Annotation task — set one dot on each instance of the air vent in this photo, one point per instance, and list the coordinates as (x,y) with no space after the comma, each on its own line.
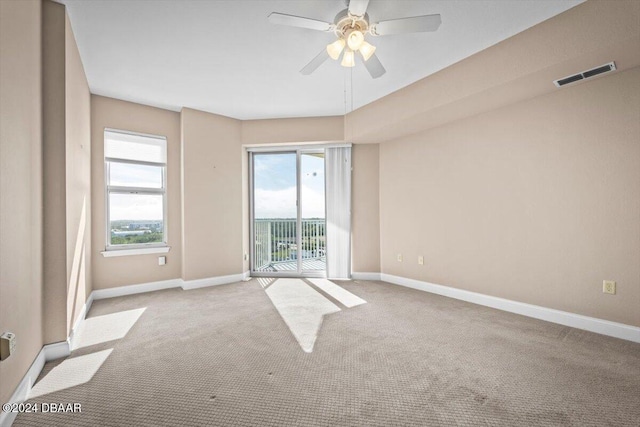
(611,66)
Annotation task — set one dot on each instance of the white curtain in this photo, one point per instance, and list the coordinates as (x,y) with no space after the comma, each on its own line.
(338,201)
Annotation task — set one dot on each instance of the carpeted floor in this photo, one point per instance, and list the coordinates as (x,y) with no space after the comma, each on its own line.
(223,356)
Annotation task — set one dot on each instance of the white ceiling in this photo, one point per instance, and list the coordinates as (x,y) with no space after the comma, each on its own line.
(224,57)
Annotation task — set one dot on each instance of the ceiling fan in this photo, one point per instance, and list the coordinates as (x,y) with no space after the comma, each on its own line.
(350,27)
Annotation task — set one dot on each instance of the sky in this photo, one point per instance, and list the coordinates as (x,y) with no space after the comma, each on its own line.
(275,186)
(135,206)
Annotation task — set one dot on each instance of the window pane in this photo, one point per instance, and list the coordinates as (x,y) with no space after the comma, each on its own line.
(274,180)
(275,210)
(131,175)
(312,181)
(313,211)
(135,147)
(136,218)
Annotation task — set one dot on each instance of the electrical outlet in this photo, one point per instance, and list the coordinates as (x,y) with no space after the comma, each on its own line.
(421,260)
(7,345)
(246,256)
(399,257)
(162,260)
(609,287)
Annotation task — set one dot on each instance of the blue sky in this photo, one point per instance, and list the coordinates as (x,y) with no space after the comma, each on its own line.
(275,186)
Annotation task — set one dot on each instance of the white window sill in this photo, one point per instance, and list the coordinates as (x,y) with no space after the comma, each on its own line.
(136,251)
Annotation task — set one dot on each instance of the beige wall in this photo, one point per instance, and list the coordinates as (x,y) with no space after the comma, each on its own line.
(536,202)
(54,172)
(296,130)
(20,186)
(78,179)
(45,132)
(212,195)
(128,270)
(365,210)
(66,169)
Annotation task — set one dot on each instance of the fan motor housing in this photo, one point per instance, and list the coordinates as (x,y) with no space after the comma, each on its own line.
(346,22)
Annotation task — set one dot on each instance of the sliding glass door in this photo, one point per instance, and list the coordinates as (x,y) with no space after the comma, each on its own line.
(288,213)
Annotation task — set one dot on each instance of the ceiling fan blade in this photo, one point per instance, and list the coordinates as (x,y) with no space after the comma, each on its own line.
(358,7)
(415,24)
(374,66)
(298,21)
(315,63)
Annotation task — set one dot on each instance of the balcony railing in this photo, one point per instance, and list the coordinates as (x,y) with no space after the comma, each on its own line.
(276,247)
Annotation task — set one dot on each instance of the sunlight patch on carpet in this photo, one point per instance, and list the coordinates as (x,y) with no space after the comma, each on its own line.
(265,281)
(109,327)
(345,297)
(302,309)
(70,373)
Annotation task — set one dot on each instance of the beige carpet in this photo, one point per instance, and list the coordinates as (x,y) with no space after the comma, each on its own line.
(224,356)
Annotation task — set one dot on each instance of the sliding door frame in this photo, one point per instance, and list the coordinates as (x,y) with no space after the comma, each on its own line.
(298,151)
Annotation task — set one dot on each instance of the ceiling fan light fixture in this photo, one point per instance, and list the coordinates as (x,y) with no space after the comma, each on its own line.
(350,27)
(348,59)
(335,49)
(355,39)
(366,50)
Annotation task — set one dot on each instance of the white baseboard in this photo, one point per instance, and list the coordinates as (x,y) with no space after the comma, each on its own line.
(592,324)
(47,353)
(83,314)
(164,284)
(56,350)
(212,281)
(365,276)
(135,289)
(24,387)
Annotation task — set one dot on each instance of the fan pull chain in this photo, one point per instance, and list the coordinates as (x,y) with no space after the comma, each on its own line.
(348,91)
(345,92)
(351,88)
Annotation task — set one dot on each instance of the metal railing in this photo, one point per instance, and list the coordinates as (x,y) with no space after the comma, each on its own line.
(276,242)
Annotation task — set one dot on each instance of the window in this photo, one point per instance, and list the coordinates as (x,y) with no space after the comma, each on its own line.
(135,177)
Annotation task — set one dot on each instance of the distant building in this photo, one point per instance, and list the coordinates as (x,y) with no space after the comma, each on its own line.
(154,226)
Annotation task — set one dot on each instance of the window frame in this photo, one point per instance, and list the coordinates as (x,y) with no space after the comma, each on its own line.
(114,189)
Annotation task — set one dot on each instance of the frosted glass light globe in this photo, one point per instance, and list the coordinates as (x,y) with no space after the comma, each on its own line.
(355,39)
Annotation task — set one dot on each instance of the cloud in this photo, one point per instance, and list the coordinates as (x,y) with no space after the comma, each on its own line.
(282,203)
(135,207)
